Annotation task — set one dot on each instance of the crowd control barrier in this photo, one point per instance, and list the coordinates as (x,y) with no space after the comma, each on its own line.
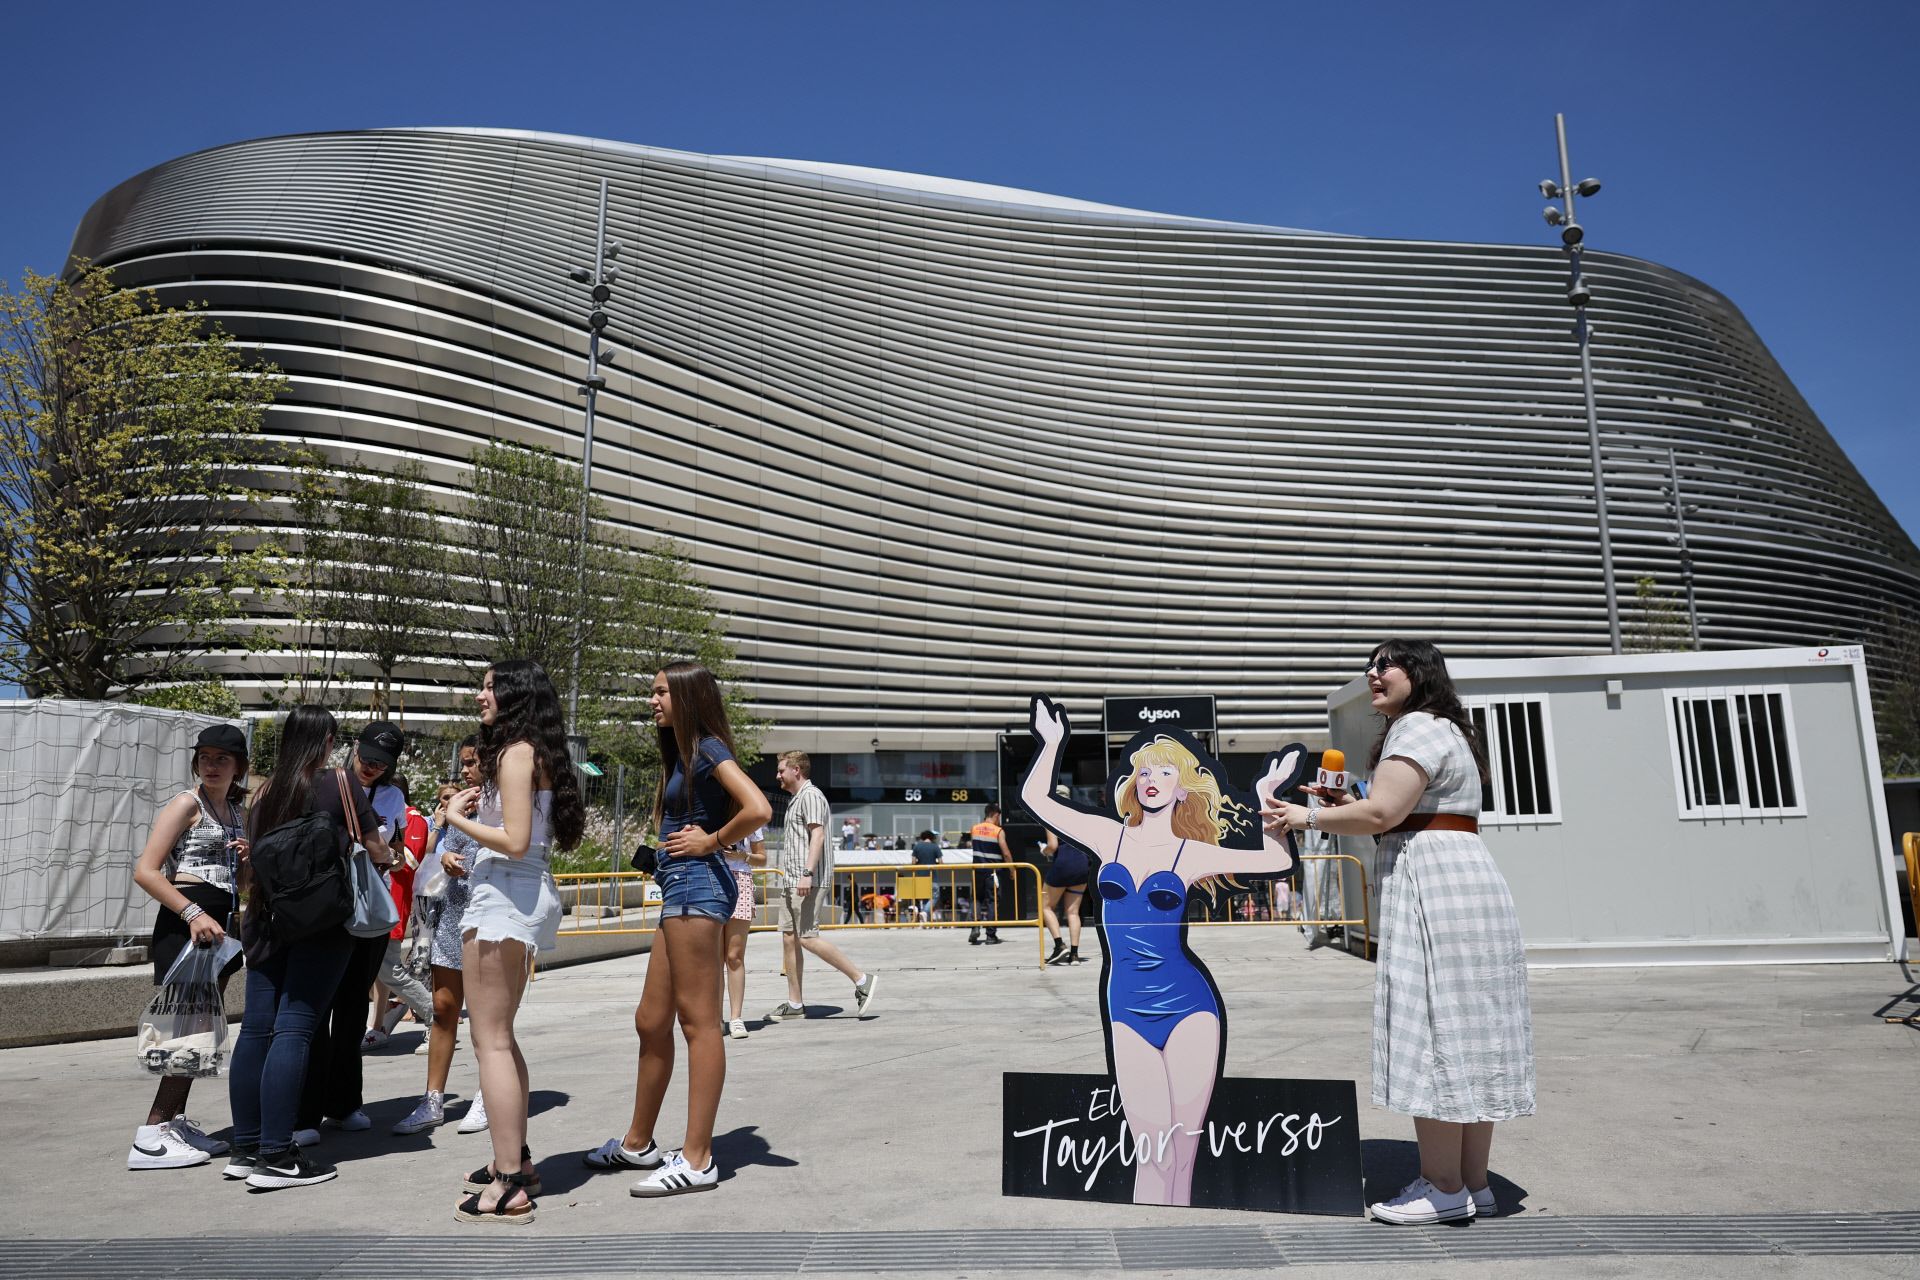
(967,895)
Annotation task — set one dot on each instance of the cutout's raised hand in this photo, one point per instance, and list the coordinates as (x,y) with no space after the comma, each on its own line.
(1284,768)
(1049,721)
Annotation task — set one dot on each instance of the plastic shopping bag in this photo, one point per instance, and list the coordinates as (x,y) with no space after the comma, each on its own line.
(184,1029)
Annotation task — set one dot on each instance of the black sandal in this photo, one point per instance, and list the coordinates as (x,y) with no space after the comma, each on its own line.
(482,1178)
(504,1212)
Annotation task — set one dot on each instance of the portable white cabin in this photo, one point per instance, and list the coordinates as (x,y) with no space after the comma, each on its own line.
(1677,808)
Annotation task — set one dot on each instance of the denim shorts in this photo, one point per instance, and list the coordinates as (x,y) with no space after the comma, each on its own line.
(702,887)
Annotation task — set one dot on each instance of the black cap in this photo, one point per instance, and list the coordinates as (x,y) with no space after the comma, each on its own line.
(381,744)
(223,737)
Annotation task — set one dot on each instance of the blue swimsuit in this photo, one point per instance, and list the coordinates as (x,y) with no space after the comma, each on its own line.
(1152,983)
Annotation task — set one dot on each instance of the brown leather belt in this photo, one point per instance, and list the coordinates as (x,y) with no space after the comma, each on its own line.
(1436,822)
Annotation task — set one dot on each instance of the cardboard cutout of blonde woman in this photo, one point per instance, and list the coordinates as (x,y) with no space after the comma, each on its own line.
(1164,1127)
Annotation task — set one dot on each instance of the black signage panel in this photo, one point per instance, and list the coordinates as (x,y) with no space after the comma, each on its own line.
(1276,1146)
(1131,715)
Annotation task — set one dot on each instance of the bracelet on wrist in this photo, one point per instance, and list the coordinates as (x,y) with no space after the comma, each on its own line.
(193,911)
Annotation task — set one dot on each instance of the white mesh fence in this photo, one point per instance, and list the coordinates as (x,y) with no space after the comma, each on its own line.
(80,784)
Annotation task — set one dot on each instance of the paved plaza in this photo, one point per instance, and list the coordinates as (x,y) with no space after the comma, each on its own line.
(1699,1122)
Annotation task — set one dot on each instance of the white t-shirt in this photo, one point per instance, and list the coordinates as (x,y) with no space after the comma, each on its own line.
(737,854)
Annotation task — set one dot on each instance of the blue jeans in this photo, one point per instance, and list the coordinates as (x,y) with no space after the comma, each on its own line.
(286,998)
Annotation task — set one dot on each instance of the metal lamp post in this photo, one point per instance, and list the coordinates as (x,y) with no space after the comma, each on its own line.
(1573,237)
(599,278)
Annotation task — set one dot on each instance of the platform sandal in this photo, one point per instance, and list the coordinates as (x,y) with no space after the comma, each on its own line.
(504,1212)
(482,1178)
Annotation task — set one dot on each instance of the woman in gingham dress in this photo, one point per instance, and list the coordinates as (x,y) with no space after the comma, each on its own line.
(1452,1030)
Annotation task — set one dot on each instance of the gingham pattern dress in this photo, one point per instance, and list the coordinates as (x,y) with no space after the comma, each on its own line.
(1452,1028)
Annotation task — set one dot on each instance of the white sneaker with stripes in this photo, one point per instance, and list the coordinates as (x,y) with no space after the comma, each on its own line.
(677,1177)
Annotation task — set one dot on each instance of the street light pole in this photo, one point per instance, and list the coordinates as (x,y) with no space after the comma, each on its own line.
(1574,238)
(596,321)
(1686,556)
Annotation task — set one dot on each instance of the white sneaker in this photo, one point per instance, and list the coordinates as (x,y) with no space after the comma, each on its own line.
(475,1121)
(431,1110)
(1421,1202)
(306,1137)
(785,1011)
(677,1177)
(353,1122)
(157,1146)
(193,1135)
(737,1029)
(1484,1205)
(863,993)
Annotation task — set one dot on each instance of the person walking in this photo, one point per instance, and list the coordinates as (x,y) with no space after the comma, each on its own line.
(191,866)
(290,981)
(1068,868)
(989,841)
(806,869)
(741,860)
(335,1079)
(705,803)
(455,852)
(1452,1024)
(527,803)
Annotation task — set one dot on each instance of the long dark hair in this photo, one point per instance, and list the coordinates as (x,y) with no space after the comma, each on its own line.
(304,740)
(526,709)
(1433,693)
(699,712)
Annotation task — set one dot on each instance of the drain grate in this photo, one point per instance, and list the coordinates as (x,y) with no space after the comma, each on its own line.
(1223,1247)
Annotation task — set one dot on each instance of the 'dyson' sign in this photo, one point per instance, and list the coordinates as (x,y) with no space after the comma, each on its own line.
(1282,1146)
(1130,715)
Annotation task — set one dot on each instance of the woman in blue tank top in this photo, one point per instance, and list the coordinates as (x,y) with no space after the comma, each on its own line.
(1166,1035)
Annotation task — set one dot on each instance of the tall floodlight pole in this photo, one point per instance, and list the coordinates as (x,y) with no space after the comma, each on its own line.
(1680,509)
(600,278)
(1573,237)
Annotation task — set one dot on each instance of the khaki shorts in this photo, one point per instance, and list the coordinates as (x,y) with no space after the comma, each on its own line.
(798,915)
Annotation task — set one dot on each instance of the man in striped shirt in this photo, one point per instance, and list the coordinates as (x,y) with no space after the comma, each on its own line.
(807,876)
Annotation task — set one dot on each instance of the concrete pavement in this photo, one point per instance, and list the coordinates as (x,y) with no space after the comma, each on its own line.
(1753,1092)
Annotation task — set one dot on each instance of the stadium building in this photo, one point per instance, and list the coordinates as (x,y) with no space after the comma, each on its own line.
(938,445)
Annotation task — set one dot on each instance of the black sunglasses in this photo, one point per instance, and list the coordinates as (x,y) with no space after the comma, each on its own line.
(1379,667)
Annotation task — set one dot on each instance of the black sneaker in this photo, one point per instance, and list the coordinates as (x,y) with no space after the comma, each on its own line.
(1059,952)
(292,1168)
(1060,956)
(994,940)
(241,1161)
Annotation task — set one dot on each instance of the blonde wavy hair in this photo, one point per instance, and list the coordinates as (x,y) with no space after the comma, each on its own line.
(1195,818)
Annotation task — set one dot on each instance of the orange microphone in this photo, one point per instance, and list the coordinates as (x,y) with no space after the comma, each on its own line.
(1333,769)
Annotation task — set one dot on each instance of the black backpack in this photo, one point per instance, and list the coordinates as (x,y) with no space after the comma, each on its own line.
(299,865)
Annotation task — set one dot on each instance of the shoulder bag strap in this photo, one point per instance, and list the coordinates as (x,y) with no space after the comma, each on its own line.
(347,807)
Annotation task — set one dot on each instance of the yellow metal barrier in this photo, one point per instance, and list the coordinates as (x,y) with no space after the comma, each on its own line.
(953,895)
(929,896)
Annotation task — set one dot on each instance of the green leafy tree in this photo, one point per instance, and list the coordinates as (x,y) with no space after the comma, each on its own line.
(127,431)
(209,696)
(640,609)
(1658,624)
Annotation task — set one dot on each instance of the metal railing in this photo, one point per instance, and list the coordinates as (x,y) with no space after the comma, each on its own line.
(953,895)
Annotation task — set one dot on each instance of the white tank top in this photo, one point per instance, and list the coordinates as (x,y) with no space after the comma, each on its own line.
(539,842)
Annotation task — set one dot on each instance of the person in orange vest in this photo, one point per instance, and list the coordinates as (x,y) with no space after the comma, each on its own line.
(990,846)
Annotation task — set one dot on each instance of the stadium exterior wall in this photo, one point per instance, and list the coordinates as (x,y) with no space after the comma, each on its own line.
(938,446)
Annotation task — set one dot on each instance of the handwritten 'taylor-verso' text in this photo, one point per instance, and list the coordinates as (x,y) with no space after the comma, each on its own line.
(1089,1154)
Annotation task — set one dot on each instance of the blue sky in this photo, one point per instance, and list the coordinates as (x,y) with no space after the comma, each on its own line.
(1766,148)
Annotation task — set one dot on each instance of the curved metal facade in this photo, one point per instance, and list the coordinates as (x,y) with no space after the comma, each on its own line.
(937,446)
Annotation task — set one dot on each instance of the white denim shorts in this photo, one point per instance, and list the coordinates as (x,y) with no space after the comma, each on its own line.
(513,900)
